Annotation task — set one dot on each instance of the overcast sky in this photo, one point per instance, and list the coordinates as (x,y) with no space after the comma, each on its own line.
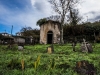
(21,13)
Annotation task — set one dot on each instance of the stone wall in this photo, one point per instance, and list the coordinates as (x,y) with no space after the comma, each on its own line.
(49,26)
(19,40)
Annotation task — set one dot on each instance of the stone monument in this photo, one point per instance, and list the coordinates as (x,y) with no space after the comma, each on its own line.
(50,32)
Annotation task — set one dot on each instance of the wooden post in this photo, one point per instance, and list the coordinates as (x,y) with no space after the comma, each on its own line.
(50,49)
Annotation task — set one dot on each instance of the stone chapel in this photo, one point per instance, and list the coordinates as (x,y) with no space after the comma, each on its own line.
(50,32)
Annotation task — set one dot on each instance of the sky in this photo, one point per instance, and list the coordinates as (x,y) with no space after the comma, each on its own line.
(24,13)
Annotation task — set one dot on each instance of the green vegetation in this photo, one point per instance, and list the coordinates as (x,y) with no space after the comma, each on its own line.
(34,60)
(89,31)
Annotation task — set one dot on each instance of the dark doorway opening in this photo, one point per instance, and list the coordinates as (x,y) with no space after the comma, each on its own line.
(49,37)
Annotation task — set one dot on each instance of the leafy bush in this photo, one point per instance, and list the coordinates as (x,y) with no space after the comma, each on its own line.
(14,64)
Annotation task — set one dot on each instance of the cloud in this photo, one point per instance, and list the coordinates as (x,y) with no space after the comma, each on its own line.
(96,18)
(27,15)
(42,6)
(26,12)
(90,9)
(17,17)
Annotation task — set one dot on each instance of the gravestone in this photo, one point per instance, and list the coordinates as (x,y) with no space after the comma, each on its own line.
(50,49)
(20,47)
(86,47)
(89,47)
(83,48)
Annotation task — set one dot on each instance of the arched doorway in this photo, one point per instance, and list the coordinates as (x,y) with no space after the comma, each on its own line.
(49,37)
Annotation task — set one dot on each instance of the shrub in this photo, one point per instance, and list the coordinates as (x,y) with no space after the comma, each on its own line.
(14,64)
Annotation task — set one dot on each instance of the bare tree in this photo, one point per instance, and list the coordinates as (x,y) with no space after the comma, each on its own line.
(54,18)
(74,19)
(62,8)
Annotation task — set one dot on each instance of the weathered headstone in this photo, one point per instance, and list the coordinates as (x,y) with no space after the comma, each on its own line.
(89,47)
(20,47)
(86,47)
(50,49)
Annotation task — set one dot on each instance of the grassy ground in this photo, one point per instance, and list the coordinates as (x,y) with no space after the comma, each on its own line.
(36,61)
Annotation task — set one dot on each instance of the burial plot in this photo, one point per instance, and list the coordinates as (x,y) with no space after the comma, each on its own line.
(86,47)
(85,68)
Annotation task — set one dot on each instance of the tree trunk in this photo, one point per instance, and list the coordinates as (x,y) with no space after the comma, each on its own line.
(61,35)
(73,46)
(74,43)
(61,29)
(94,39)
(99,34)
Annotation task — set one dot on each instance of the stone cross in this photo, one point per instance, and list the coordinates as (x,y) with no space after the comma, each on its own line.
(86,47)
(84,41)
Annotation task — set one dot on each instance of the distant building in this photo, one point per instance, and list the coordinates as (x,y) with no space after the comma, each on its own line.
(5,34)
(6,38)
(18,34)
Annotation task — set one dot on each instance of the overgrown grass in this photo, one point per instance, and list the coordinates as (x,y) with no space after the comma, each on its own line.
(61,62)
